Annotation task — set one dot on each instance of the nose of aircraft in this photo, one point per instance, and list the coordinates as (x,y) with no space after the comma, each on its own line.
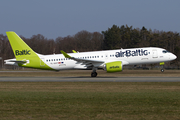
(173,57)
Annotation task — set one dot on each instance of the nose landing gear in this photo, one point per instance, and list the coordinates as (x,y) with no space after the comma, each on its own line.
(162,64)
(162,70)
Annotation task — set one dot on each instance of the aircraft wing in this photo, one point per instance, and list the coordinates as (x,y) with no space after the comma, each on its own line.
(86,62)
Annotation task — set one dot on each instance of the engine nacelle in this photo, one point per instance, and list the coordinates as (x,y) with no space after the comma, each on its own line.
(113,66)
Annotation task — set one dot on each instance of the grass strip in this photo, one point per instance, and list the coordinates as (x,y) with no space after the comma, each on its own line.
(53,100)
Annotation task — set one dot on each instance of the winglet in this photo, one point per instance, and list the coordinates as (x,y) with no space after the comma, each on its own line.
(74,51)
(65,54)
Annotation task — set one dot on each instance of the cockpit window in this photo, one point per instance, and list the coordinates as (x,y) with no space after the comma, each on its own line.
(165,51)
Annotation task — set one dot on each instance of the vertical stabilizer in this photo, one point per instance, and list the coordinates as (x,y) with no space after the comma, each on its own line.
(20,48)
(25,56)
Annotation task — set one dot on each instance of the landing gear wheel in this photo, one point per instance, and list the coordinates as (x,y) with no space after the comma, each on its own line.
(162,70)
(93,74)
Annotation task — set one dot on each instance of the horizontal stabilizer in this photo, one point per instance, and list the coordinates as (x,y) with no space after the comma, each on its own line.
(16,61)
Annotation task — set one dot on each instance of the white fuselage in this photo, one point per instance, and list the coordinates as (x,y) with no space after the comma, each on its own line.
(132,56)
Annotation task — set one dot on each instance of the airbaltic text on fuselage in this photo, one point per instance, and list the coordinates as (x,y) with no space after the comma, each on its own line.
(128,53)
(22,52)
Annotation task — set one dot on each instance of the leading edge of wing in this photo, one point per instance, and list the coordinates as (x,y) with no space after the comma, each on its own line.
(80,59)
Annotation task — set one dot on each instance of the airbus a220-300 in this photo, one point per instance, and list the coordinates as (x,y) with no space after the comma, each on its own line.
(108,60)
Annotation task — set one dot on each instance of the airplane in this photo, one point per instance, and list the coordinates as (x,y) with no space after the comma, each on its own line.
(108,60)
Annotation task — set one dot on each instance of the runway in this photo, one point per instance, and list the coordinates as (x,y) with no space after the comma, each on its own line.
(89,79)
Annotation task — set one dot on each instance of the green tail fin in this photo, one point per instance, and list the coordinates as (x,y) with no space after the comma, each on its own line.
(24,54)
(20,48)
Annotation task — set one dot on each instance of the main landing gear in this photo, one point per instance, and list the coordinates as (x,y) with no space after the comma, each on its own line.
(94,73)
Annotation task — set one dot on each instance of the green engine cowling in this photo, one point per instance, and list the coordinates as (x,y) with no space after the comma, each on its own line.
(114,66)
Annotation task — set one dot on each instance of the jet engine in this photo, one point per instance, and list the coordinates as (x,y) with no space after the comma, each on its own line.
(113,66)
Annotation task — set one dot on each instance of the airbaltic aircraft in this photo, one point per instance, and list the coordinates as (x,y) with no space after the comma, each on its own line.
(109,60)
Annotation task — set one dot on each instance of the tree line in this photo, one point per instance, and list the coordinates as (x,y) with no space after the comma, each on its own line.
(113,38)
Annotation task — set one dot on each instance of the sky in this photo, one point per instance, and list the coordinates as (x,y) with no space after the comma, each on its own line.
(60,18)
